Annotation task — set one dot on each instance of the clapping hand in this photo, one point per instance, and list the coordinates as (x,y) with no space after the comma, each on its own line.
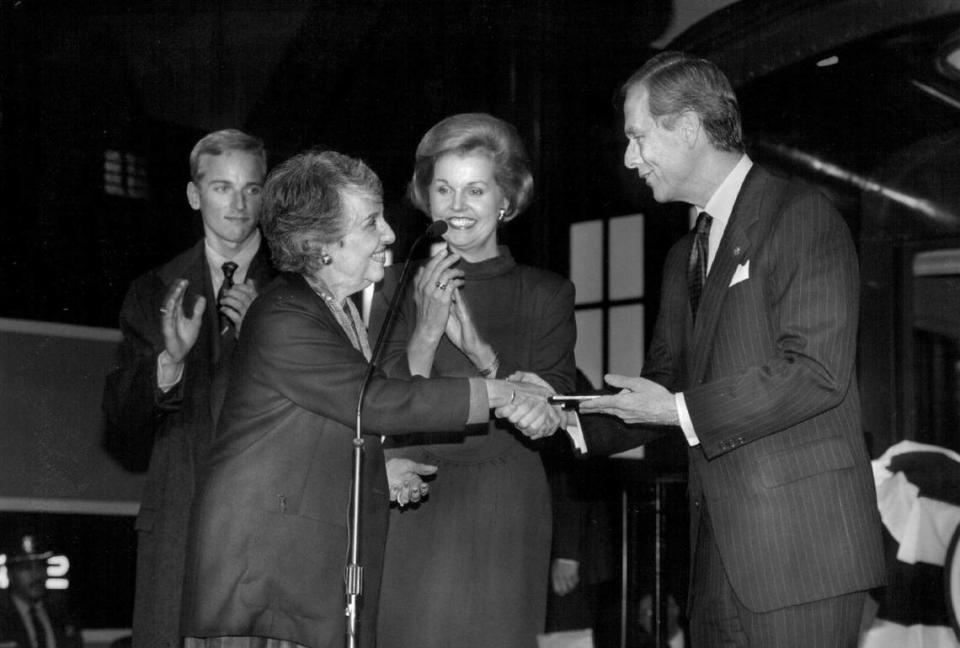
(434,287)
(180,331)
(463,333)
(405,479)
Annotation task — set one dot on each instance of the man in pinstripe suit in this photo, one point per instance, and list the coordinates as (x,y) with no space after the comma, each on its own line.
(755,364)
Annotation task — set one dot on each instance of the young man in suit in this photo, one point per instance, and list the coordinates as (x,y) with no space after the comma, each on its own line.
(29,616)
(752,360)
(179,322)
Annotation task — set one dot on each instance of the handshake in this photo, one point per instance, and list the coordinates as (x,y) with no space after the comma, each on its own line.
(522,400)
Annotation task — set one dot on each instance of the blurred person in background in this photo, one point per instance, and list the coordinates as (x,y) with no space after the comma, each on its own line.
(30,616)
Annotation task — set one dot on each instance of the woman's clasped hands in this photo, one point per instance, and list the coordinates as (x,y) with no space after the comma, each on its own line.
(441,309)
(435,289)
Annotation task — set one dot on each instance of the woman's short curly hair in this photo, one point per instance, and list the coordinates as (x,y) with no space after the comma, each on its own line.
(303,205)
(468,133)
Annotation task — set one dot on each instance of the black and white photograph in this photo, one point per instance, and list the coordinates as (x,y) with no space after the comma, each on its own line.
(480,324)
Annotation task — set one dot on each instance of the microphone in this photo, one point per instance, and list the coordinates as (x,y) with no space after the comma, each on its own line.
(437,228)
(353,578)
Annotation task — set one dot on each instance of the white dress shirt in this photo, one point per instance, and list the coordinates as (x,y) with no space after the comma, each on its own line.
(720,206)
(215,262)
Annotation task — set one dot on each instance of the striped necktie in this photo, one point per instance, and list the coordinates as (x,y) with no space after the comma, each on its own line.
(226,324)
(697,265)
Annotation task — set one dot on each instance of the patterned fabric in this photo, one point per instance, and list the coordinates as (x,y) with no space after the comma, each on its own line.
(226,324)
(767,373)
(238,642)
(348,318)
(697,267)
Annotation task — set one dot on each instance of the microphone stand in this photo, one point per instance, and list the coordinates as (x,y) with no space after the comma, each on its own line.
(353,577)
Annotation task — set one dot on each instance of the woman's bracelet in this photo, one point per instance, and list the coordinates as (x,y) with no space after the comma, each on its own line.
(490,369)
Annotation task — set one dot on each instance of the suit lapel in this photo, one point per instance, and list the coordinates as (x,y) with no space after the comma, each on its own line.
(211,314)
(261,270)
(734,250)
(192,266)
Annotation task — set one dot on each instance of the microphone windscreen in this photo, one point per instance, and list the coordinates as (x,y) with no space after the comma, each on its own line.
(437,228)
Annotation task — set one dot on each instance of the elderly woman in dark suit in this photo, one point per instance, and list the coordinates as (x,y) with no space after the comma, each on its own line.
(269,536)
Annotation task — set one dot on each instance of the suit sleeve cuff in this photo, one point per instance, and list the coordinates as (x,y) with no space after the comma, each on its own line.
(168,372)
(479,404)
(685,423)
(575,432)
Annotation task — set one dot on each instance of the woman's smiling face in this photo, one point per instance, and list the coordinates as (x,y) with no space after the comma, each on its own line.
(358,258)
(465,194)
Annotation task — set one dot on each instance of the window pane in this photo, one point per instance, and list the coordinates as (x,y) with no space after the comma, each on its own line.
(589,349)
(626,340)
(586,260)
(626,257)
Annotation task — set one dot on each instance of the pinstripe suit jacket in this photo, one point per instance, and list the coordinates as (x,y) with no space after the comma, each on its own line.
(768,377)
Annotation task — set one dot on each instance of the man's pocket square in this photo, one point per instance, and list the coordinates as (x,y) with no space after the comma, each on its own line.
(742,273)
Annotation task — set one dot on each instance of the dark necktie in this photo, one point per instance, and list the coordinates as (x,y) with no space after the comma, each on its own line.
(39,630)
(226,324)
(697,266)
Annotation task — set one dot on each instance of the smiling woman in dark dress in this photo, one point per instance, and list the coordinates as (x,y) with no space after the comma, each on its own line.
(468,567)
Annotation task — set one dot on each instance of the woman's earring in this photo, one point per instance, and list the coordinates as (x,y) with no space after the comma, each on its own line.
(503,214)
(326,259)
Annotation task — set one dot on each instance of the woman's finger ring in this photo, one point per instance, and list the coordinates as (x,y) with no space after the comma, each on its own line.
(442,285)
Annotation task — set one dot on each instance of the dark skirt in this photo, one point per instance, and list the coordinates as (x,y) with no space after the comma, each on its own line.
(469,566)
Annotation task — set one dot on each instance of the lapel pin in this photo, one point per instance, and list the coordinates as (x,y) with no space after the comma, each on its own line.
(736,251)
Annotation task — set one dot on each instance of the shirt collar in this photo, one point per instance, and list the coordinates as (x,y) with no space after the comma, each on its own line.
(243,258)
(720,205)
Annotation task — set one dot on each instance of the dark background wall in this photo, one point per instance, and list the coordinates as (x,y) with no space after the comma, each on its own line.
(367,77)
